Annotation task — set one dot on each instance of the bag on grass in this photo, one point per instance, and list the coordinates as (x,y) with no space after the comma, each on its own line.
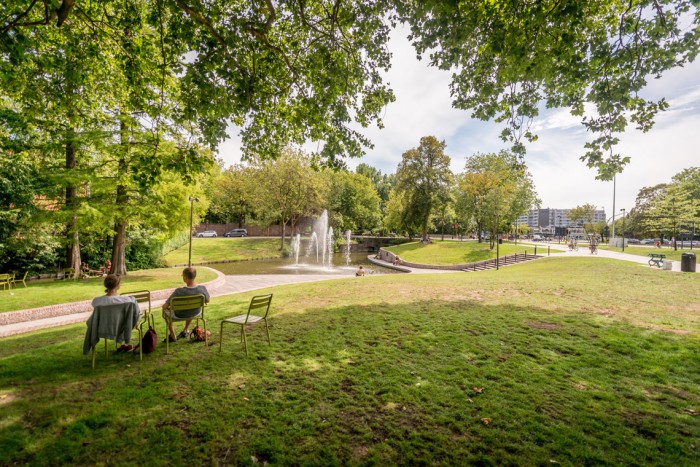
(149,341)
(197,334)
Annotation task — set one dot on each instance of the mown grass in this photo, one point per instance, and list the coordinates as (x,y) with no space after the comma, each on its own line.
(671,254)
(448,252)
(42,293)
(222,249)
(569,360)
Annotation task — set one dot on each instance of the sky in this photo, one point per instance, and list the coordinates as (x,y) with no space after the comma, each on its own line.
(423,107)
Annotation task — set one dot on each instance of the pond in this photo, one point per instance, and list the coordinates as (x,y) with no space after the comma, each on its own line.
(305,266)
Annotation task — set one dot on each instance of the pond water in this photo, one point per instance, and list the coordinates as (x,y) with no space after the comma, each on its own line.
(305,266)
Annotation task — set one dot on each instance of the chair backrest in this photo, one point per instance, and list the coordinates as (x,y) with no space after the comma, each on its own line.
(187,303)
(259,302)
(141,296)
(4,277)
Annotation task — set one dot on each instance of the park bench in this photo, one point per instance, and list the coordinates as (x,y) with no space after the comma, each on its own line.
(656,259)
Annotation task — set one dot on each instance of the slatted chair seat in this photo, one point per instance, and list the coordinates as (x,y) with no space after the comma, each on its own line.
(143,296)
(259,302)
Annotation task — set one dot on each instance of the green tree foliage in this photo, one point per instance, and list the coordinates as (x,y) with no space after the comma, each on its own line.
(383,183)
(287,189)
(583,214)
(493,191)
(508,57)
(423,181)
(232,196)
(353,202)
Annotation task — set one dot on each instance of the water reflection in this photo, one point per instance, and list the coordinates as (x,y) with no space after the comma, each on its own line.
(287,266)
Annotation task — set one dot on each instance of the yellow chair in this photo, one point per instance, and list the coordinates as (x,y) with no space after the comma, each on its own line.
(6,280)
(184,304)
(14,281)
(143,296)
(68,272)
(256,303)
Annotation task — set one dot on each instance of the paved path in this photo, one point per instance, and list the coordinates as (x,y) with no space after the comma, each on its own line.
(226,285)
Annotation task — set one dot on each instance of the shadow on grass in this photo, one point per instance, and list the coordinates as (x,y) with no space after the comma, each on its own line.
(423,382)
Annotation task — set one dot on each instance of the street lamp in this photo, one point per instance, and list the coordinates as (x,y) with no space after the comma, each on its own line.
(192,200)
(623,229)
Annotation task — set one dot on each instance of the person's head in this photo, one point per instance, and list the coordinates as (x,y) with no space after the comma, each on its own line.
(189,274)
(111,283)
(360,267)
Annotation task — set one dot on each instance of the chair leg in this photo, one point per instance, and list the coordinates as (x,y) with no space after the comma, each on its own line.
(268,332)
(167,336)
(245,343)
(93,356)
(115,343)
(221,335)
(206,339)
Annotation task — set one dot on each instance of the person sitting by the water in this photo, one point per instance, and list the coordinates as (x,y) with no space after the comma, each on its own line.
(360,272)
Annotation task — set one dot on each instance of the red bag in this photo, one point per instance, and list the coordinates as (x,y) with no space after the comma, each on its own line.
(149,341)
(197,334)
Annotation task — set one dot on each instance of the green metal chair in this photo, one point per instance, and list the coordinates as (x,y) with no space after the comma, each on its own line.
(256,303)
(68,272)
(14,281)
(143,296)
(5,280)
(183,304)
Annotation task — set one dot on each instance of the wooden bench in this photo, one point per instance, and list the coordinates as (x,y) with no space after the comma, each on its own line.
(656,259)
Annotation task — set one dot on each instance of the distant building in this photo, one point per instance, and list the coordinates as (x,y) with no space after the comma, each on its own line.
(548,219)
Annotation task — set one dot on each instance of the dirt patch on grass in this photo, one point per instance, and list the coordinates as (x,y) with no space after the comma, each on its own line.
(546,326)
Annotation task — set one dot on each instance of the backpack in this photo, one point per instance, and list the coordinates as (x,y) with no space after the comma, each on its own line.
(149,341)
(197,334)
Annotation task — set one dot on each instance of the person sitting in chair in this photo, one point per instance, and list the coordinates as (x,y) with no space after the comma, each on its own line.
(112,297)
(191,288)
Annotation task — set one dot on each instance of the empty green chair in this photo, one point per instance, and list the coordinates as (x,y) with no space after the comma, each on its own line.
(259,302)
(14,280)
(5,281)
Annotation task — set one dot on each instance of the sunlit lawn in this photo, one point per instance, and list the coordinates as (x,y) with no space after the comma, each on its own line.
(451,252)
(225,249)
(42,293)
(569,361)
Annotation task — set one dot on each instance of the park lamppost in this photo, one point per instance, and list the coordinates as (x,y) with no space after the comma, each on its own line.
(623,229)
(189,257)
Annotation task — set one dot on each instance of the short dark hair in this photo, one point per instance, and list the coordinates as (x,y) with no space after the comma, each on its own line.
(190,273)
(111,282)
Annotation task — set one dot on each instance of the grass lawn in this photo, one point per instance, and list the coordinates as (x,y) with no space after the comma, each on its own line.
(570,361)
(671,254)
(220,249)
(450,252)
(42,293)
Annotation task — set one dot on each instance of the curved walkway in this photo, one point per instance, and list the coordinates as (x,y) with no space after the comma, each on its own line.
(71,313)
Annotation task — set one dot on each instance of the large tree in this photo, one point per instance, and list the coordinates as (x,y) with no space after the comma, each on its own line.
(583,214)
(493,191)
(353,202)
(423,179)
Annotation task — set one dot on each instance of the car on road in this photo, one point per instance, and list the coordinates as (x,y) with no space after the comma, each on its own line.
(236,233)
(648,241)
(206,233)
(633,241)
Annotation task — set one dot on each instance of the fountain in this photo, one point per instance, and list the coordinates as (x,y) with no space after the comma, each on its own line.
(348,236)
(296,243)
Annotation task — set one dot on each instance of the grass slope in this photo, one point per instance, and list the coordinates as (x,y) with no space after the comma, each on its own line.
(44,293)
(447,252)
(573,361)
(221,249)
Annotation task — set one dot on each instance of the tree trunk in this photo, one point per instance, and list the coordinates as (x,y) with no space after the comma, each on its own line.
(119,243)
(72,235)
